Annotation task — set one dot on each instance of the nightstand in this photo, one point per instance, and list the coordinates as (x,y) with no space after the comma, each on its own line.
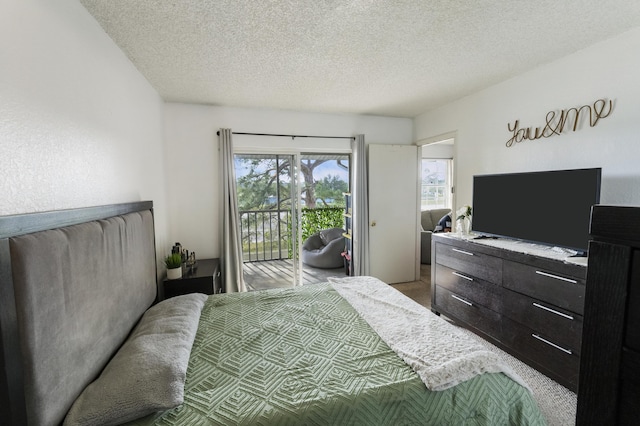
(204,279)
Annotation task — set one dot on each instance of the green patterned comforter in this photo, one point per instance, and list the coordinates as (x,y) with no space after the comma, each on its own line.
(305,357)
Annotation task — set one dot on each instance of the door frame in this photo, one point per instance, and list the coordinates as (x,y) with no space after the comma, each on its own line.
(444,137)
(295,204)
(297,153)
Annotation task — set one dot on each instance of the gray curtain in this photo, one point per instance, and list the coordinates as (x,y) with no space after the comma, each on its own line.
(231,251)
(360,200)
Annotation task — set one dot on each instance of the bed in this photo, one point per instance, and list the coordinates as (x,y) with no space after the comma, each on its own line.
(85,341)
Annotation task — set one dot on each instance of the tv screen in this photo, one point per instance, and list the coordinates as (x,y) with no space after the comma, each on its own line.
(551,207)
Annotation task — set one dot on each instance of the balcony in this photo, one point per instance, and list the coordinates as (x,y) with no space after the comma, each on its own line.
(267,250)
(279,274)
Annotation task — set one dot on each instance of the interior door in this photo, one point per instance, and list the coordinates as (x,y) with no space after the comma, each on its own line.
(393,203)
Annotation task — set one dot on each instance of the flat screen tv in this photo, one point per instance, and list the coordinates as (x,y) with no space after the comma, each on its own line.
(550,207)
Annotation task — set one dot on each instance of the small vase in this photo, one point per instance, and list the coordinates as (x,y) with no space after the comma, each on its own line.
(174,274)
(467,226)
(463,226)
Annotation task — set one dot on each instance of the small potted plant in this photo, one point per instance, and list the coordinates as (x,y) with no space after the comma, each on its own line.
(174,266)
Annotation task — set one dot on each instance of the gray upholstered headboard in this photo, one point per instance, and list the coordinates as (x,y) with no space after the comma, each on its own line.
(73,284)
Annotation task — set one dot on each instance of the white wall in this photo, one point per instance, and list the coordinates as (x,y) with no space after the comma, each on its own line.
(79,125)
(606,70)
(193,159)
(438,150)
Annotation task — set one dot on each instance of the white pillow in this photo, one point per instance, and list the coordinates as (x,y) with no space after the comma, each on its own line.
(147,374)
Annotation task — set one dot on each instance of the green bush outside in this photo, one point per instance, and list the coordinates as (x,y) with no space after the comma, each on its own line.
(314,220)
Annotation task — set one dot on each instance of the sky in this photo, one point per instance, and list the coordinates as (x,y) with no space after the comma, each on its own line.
(330,168)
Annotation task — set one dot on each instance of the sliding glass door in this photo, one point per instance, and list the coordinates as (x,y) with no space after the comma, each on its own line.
(324,181)
(267,204)
(284,199)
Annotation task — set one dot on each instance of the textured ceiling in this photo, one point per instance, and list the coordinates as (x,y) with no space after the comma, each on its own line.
(395,58)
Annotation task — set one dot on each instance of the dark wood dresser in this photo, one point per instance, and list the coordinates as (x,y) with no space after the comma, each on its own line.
(609,391)
(529,305)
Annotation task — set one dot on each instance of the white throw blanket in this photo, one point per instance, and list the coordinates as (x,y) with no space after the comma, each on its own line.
(437,351)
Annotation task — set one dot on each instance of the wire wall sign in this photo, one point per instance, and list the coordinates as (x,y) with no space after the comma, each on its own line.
(556,122)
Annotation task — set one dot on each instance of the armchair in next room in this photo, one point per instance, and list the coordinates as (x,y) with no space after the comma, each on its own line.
(429,221)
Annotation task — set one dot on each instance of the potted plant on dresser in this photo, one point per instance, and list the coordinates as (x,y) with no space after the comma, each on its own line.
(173,263)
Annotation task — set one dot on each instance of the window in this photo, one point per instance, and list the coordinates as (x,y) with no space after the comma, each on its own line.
(436,184)
(326,178)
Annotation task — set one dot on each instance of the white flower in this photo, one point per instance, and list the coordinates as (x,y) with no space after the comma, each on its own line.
(463,212)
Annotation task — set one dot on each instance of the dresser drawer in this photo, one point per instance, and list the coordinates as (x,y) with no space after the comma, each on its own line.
(474,315)
(629,388)
(468,261)
(632,337)
(471,288)
(560,363)
(560,325)
(548,285)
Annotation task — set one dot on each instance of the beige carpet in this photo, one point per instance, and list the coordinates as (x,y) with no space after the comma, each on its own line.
(557,403)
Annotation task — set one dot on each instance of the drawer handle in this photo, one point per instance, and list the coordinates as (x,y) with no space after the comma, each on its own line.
(569,280)
(463,252)
(567,351)
(537,305)
(461,300)
(462,276)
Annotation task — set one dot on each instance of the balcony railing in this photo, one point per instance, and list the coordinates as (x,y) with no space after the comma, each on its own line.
(266,234)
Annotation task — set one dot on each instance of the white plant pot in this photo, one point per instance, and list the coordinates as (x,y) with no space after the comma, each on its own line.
(174,274)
